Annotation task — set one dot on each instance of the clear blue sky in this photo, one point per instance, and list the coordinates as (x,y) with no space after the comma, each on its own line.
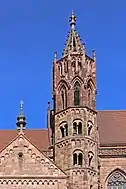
(30,32)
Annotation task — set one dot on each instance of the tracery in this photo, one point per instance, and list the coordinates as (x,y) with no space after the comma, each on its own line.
(116,181)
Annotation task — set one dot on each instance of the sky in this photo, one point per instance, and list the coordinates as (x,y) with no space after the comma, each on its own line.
(31,31)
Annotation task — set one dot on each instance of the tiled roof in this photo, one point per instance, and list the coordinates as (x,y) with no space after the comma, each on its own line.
(112,127)
(37,137)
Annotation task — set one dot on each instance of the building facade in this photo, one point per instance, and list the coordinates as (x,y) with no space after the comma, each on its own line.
(82,148)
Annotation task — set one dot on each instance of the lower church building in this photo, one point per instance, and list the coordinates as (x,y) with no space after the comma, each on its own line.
(82,148)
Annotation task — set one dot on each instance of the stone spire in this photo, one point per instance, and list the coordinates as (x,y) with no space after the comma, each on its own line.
(21,119)
(73,43)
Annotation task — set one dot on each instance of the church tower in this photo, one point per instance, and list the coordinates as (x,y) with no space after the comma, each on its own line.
(75,134)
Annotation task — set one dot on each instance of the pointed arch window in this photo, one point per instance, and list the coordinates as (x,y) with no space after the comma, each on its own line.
(116,181)
(89,93)
(76,94)
(64,97)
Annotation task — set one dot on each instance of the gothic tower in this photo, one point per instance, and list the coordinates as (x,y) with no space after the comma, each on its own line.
(75,135)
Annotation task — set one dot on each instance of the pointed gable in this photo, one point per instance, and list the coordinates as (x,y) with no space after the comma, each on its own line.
(21,157)
(37,136)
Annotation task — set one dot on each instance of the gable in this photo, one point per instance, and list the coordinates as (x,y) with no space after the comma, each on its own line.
(38,137)
(23,158)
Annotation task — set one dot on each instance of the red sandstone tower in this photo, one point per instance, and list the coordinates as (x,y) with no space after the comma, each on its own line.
(75,135)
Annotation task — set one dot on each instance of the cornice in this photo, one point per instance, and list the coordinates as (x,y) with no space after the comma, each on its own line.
(112,152)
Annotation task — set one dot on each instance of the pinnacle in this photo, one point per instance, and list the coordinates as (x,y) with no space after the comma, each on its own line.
(73,42)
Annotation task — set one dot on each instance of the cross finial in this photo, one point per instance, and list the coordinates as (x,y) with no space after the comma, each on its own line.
(72,21)
(21,106)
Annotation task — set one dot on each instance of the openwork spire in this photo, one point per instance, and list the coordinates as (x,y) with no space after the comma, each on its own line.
(73,43)
(21,119)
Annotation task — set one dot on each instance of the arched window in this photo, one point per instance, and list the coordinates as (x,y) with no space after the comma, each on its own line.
(89,127)
(74,128)
(66,66)
(77,158)
(77,127)
(80,128)
(64,97)
(89,96)
(90,93)
(66,129)
(77,94)
(62,131)
(80,159)
(90,157)
(116,181)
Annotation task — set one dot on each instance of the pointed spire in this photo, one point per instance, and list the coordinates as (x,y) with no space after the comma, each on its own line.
(73,42)
(21,119)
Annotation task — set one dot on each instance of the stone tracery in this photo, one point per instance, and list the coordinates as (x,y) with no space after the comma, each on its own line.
(116,181)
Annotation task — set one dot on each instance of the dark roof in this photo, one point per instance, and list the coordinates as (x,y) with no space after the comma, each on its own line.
(38,137)
(112,127)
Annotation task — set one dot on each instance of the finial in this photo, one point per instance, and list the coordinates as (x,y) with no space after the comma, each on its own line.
(55,56)
(48,105)
(21,107)
(21,119)
(72,21)
(94,55)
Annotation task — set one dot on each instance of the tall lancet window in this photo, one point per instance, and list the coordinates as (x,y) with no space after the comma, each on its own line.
(116,181)
(89,94)
(77,94)
(64,97)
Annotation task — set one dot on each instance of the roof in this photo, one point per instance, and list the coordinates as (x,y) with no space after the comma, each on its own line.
(37,137)
(112,127)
